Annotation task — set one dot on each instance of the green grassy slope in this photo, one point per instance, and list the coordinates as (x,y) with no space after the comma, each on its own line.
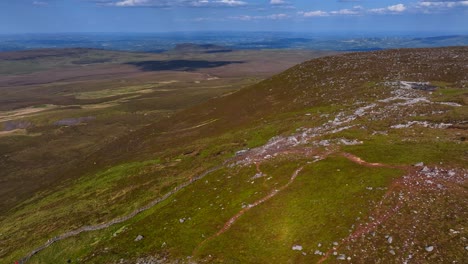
(53,118)
(341,123)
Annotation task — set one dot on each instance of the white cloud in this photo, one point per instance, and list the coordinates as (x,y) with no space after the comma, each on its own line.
(281,4)
(200,3)
(268,17)
(168,3)
(442,4)
(378,10)
(277,2)
(345,12)
(357,10)
(431,7)
(132,3)
(231,2)
(39,3)
(277,16)
(317,13)
(243,18)
(417,6)
(399,8)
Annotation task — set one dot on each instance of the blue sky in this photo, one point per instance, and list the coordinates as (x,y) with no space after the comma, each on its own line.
(50,16)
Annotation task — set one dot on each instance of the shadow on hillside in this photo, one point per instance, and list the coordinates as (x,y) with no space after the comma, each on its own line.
(180,65)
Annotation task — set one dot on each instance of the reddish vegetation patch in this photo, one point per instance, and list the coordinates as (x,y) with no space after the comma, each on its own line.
(406,223)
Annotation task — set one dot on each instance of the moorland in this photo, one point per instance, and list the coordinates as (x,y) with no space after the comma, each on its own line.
(194,156)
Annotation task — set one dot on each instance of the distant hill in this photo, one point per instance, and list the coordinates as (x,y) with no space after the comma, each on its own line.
(437,38)
(225,41)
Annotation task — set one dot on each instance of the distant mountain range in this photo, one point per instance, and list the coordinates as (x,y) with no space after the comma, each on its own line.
(222,42)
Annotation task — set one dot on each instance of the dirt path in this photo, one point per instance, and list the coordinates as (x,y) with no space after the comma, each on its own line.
(257,167)
(233,219)
(116,220)
(362,162)
(193,127)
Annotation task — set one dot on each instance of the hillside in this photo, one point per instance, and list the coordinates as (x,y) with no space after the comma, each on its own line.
(59,106)
(358,157)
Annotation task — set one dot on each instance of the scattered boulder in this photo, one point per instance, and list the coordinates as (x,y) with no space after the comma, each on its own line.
(258,175)
(429,248)
(138,238)
(341,257)
(297,247)
(242,152)
(426,169)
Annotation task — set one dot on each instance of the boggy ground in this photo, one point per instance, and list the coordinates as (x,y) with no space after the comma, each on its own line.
(330,170)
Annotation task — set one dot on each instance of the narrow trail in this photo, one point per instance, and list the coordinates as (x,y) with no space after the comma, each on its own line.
(119,219)
(193,127)
(362,162)
(257,167)
(233,219)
